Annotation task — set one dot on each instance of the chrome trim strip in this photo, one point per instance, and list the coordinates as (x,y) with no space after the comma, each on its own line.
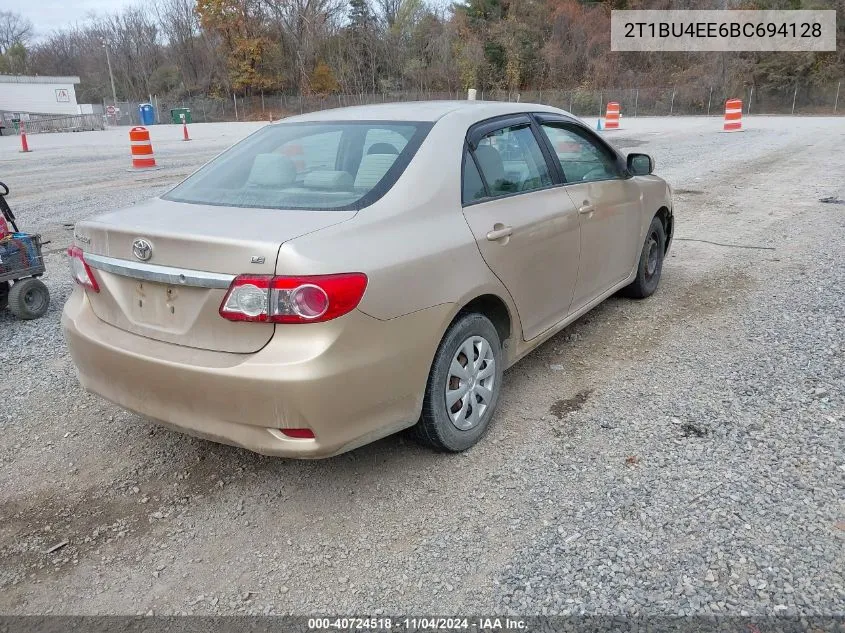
(160,274)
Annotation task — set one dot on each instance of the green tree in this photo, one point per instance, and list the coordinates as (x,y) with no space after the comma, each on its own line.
(14,60)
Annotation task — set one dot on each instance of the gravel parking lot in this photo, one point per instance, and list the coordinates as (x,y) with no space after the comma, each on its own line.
(683,454)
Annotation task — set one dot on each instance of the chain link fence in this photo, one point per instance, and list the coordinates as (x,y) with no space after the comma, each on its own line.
(11,122)
(696,100)
(687,100)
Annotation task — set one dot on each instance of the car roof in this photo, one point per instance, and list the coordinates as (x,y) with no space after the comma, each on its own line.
(422,111)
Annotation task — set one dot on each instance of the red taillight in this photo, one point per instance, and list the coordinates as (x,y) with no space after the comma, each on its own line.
(311,299)
(298,434)
(80,271)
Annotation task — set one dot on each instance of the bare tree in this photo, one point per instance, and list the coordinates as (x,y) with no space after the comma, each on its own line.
(14,29)
(389,10)
(302,27)
(190,49)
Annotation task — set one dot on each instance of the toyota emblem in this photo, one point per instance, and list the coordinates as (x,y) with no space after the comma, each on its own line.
(142,249)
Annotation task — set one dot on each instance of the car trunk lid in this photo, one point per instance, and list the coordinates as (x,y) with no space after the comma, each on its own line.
(174,294)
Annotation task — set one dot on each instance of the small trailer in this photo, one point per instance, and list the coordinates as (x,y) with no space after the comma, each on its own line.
(21,265)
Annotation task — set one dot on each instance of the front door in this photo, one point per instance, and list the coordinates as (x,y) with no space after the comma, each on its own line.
(608,205)
(527,229)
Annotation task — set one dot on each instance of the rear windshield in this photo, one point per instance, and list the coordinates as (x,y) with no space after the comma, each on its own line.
(326,166)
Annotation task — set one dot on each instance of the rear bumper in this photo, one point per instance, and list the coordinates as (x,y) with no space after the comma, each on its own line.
(351,380)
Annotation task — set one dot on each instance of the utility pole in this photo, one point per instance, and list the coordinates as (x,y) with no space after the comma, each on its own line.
(111,75)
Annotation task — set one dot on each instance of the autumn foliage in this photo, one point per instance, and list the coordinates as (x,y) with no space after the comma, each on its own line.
(177,48)
(241,31)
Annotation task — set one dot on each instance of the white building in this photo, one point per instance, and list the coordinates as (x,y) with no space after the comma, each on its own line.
(38,95)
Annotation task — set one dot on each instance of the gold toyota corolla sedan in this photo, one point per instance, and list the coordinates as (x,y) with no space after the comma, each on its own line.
(339,276)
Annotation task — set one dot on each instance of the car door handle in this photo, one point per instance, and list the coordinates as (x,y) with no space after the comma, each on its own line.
(500,233)
(586,209)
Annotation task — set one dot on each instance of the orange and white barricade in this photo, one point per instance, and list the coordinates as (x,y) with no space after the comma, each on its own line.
(611,117)
(733,115)
(142,148)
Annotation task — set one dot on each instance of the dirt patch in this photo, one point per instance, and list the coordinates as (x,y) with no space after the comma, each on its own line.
(693,192)
(35,526)
(563,408)
(85,522)
(688,429)
(707,297)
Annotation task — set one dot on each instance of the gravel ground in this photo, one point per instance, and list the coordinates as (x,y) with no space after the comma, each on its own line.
(683,454)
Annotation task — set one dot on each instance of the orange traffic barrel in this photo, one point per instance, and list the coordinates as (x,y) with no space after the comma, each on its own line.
(142,148)
(733,115)
(612,116)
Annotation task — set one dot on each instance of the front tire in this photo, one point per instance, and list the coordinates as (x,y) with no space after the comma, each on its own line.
(463,386)
(651,263)
(29,298)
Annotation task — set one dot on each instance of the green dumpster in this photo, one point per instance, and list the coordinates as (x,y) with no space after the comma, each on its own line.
(180,115)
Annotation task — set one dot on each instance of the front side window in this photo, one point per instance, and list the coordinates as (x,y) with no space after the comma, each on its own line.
(324,166)
(511,161)
(581,159)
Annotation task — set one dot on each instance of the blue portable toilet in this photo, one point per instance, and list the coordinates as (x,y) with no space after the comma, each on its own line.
(147,114)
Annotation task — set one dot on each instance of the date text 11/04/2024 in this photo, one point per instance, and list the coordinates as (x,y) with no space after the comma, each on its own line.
(416,624)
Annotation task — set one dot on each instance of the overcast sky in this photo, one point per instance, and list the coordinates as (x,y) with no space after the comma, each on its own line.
(50,15)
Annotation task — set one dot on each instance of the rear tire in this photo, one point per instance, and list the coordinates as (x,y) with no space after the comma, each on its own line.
(462,392)
(29,298)
(651,263)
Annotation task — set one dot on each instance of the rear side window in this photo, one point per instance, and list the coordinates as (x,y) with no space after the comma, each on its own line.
(473,186)
(511,161)
(321,166)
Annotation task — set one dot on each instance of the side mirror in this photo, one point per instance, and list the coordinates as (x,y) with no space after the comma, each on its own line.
(640,164)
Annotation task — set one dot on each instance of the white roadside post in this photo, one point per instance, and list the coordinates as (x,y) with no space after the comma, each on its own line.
(471,94)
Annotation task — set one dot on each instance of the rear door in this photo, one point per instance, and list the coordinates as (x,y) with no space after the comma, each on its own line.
(608,203)
(525,226)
